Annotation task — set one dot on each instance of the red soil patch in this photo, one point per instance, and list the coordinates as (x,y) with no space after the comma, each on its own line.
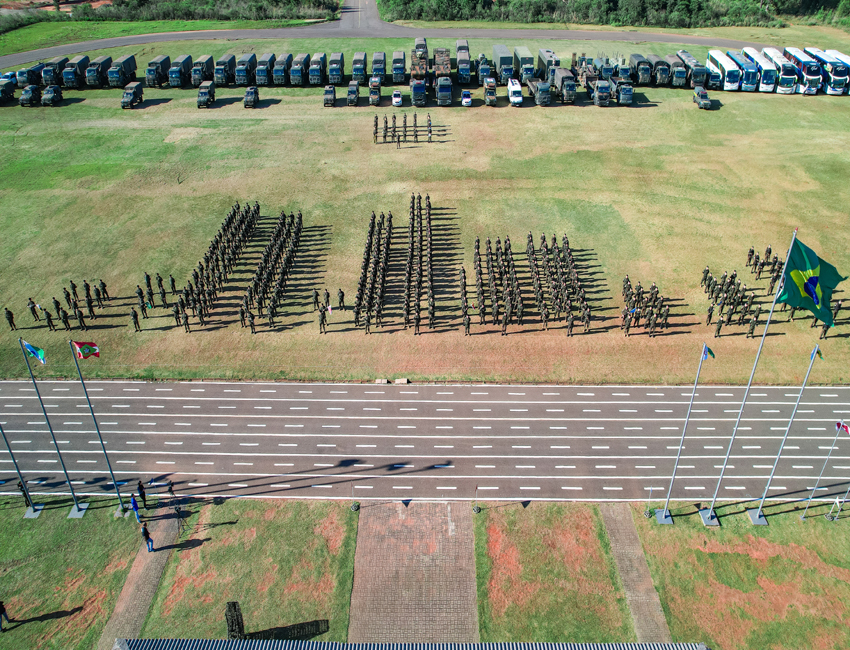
(268,579)
(312,591)
(181,582)
(72,583)
(269,514)
(242,536)
(332,530)
(505,587)
(115,565)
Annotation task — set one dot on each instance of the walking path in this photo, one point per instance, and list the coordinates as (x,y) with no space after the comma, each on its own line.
(414,575)
(648,617)
(136,597)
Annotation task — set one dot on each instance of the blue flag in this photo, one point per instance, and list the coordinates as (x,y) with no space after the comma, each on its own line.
(33,351)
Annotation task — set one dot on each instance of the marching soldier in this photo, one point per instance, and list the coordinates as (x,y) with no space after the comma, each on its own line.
(750,254)
(250,317)
(98,296)
(665,315)
(824,330)
(134,318)
(327,299)
(323,317)
(63,316)
(835,311)
(173,285)
(505,322)
(90,308)
(416,321)
(652,322)
(627,325)
(143,308)
(570,323)
(74,291)
(103,290)
(544,316)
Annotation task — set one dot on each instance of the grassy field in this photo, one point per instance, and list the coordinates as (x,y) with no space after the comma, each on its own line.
(656,191)
(545,574)
(742,587)
(285,563)
(61,577)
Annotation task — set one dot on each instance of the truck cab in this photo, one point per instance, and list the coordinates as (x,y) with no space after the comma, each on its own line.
(7,90)
(336,68)
(374,91)
(444,91)
(281,68)
(353,93)
(52,72)
(265,69)
(132,95)
(225,70)
(180,72)
(417,92)
(122,72)
(97,74)
(602,93)
(483,69)
(52,96)
(252,97)
(399,65)
(245,70)
(203,70)
(329,96)
(74,74)
(206,94)
(623,91)
(31,96)
(318,69)
(514,92)
(157,71)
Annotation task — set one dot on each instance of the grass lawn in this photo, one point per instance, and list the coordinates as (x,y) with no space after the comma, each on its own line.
(742,587)
(61,577)
(656,191)
(284,562)
(546,574)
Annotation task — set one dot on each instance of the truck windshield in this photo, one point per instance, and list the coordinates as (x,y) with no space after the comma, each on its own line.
(680,73)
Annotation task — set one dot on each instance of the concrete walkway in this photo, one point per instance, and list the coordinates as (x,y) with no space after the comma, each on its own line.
(136,597)
(648,617)
(414,575)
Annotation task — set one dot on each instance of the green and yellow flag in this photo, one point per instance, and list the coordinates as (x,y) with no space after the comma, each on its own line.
(809,282)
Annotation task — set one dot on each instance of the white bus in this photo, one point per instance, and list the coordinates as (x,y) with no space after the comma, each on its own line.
(787,81)
(766,68)
(844,59)
(808,71)
(833,71)
(730,74)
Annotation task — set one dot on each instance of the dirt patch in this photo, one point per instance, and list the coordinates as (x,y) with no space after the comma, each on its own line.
(332,530)
(184,133)
(505,587)
(310,590)
(181,582)
(245,537)
(268,579)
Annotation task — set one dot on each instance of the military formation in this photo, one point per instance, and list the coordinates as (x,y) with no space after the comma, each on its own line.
(94,297)
(398,133)
(643,304)
(268,285)
(418,266)
(369,299)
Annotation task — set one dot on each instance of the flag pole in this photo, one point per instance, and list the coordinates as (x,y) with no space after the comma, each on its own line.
(757,516)
(664,516)
(838,429)
(707,514)
(50,428)
(17,469)
(96,426)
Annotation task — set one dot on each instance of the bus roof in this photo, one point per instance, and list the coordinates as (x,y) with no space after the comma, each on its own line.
(779,60)
(723,60)
(758,58)
(799,55)
(840,56)
(741,61)
(820,55)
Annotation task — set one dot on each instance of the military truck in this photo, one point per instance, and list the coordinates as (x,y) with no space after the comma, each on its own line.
(622,90)
(203,70)
(418,67)
(180,72)
(122,72)
(379,65)
(318,69)
(281,69)
(246,67)
(464,68)
(604,66)
(547,62)
(696,70)
(374,91)
(29,76)
(523,63)
(489,91)
(679,73)
(7,90)
(482,69)
(418,92)
(265,69)
(539,90)
(461,45)
(353,92)
(252,97)
(329,96)
(443,91)
(97,72)
(599,90)
(641,69)
(503,64)
(421,45)
(31,96)
(206,94)
(298,71)
(52,72)
(442,62)
(74,74)
(358,67)
(623,70)
(225,70)
(157,71)
(399,67)
(564,85)
(52,96)
(660,69)
(132,94)
(336,68)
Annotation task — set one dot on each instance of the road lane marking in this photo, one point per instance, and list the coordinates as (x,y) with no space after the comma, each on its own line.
(367,445)
(405,446)
(210,443)
(204,463)
(444,446)
(612,488)
(606,467)
(402,487)
(165,462)
(246,444)
(237,485)
(173,443)
(644,466)
(524,466)
(636,447)
(198,484)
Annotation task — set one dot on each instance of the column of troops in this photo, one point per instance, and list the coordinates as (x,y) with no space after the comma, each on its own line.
(74,302)
(272,272)
(561,273)
(369,299)
(418,265)
(399,135)
(643,304)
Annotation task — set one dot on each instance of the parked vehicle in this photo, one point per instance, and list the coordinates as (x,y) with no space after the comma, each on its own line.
(132,94)
(358,67)
(74,74)
(206,94)
(203,70)
(180,72)
(280,73)
(444,91)
(399,67)
(379,65)
(808,71)
(7,89)
(464,64)
(696,71)
(30,76)
(490,98)
(564,85)
(52,96)
(678,71)
(622,90)
(539,90)
(701,98)
(298,73)
(397,98)
(465,98)
(122,72)
(156,73)
(833,71)
(547,63)
(329,96)
(523,63)
(729,73)
(246,69)
(514,92)
(51,74)
(353,92)
(503,64)
(418,92)
(31,96)
(749,71)
(264,73)
(252,97)
(336,68)
(483,69)
(374,91)
(599,90)
(641,69)
(318,70)
(604,66)
(660,69)
(766,68)
(786,83)
(225,70)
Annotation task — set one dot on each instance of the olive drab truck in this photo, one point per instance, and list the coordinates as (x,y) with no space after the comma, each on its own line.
(547,62)
(564,85)
(358,67)
(353,92)
(252,97)
(523,63)
(122,72)
(180,72)
(225,70)
(298,71)
(604,66)
(696,70)
(503,64)
(203,70)
(245,69)
(7,90)
(336,68)
(74,74)
(418,90)
(52,72)
(31,96)
(442,62)
(421,46)
(399,67)
(379,65)
(622,90)
(156,73)
(29,76)
(418,76)
(265,69)
(482,69)
(641,70)
(206,94)
(374,91)
(318,69)
(132,94)
(281,69)
(678,71)
(51,96)
(599,91)
(464,64)
(443,91)
(329,96)
(539,90)
(489,91)
(97,74)
(660,70)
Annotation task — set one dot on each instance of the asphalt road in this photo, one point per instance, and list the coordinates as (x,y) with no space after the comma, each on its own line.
(424,441)
(360,19)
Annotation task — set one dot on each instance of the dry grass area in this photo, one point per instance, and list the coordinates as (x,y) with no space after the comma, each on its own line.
(657,191)
(545,574)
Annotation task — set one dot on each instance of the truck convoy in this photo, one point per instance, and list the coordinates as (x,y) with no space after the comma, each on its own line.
(564,85)
(206,94)
(156,73)
(336,68)
(678,72)
(358,67)
(280,73)
(132,95)
(539,90)
(74,74)
(660,69)
(264,74)
(298,71)
(696,71)
(180,72)
(246,69)
(374,91)
(203,70)
(503,64)
(225,70)
(51,74)
(122,72)
(523,63)
(399,67)
(379,65)
(97,72)
(318,70)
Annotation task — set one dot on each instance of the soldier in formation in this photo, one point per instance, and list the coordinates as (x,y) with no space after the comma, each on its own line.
(369,298)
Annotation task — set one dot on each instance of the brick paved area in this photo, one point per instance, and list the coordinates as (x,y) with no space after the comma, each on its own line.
(414,574)
(136,597)
(648,617)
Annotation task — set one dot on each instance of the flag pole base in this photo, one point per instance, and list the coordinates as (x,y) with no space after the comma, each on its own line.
(78,512)
(34,511)
(663,516)
(708,517)
(757,517)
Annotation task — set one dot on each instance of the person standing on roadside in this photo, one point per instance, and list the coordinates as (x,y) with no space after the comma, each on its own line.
(3,615)
(135,506)
(146,535)
(142,495)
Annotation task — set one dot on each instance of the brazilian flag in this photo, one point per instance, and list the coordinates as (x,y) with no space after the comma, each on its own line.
(809,282)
